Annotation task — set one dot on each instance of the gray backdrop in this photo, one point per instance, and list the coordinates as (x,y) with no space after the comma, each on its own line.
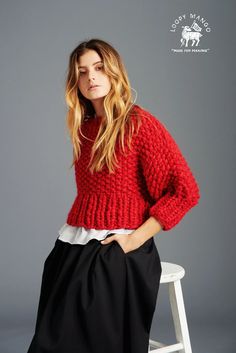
(192,93)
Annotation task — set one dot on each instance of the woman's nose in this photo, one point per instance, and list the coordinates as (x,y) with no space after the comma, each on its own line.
(91,75)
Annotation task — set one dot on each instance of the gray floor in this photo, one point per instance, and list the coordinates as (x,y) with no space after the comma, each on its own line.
(205,338)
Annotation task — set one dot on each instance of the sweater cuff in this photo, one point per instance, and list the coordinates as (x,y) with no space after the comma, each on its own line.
(169,211)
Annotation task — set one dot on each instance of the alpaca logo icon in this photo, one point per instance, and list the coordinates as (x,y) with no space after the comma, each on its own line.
(190,35)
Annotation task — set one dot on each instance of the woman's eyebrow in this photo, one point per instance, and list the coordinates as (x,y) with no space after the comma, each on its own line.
(93,64)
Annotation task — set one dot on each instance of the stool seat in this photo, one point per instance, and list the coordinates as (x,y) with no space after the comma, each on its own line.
(171,272)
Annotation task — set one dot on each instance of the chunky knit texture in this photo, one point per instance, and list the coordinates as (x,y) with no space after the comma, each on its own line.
(153,180)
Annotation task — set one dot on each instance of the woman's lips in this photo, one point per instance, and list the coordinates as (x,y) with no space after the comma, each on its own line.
(94,87)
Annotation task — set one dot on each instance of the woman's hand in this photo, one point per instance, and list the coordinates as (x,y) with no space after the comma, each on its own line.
(126,241)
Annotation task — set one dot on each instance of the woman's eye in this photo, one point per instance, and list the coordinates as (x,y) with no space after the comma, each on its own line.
(98,67)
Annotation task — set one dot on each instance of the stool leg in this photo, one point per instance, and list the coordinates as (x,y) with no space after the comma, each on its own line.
(179,316)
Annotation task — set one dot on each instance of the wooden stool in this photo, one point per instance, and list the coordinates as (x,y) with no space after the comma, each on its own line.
(172,274)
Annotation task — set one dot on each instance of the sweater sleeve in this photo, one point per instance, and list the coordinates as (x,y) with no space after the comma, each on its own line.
(169,180)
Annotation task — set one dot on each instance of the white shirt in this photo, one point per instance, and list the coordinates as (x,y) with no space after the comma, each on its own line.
(82,235)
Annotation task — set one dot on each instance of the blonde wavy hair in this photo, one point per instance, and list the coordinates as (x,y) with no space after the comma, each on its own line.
(117,106)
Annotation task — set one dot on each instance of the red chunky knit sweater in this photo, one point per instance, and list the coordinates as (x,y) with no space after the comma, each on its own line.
(153,180)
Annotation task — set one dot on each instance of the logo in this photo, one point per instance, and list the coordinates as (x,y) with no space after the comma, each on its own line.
(191,32)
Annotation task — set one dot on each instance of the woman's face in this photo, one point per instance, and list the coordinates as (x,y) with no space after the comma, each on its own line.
(91,73)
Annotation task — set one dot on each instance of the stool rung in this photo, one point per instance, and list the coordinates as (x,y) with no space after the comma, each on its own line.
(161,348)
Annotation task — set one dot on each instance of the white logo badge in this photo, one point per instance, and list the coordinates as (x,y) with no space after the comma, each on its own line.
(191,33)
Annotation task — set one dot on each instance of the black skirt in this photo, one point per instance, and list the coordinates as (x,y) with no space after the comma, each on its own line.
(96,298)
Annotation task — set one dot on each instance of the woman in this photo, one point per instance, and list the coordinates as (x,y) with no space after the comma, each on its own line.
(132,181)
